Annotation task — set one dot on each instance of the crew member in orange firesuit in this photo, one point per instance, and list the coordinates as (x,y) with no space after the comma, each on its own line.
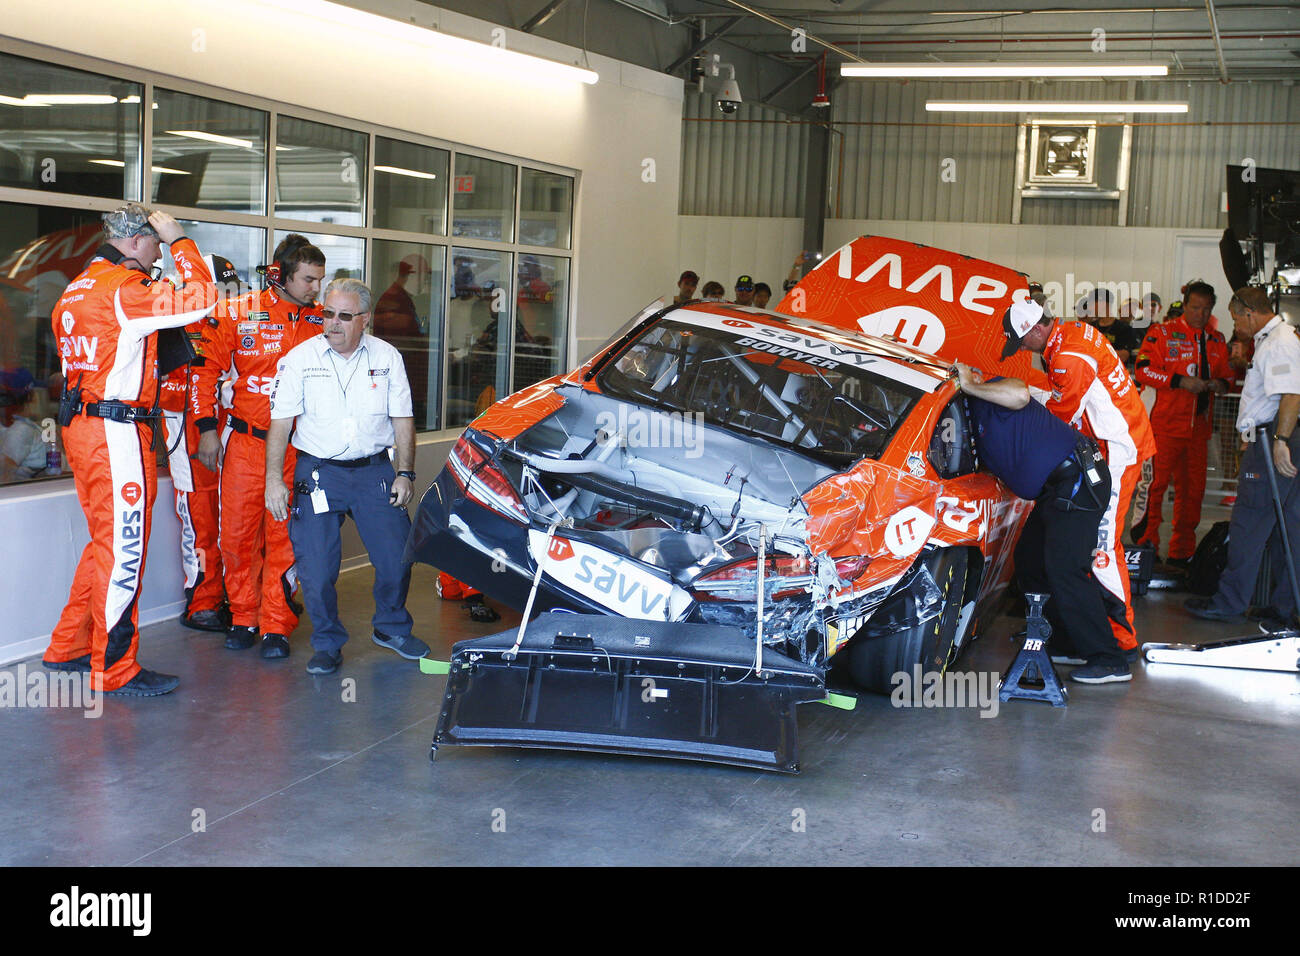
(1092,391)
(1188,365)
(196,486)
(252,333)
(104,324)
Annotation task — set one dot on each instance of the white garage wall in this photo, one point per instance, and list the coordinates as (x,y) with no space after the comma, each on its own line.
(625,217)
(723,248)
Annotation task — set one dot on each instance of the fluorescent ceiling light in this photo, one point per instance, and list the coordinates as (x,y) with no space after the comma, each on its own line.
(981,70)
(285,149)
(14,101)
(71,99)
(132,100)
(523,67)
(404,172)
(211,138)
(1029,106)
(157,169)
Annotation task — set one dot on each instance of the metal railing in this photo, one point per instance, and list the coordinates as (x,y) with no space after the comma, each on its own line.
(1223,457)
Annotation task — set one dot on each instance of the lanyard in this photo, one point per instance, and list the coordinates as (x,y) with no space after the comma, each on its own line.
(343,387)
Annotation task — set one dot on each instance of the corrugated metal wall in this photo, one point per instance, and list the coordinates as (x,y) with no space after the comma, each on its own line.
(1177,179)
(894,171)
(1175,172)
(750,164)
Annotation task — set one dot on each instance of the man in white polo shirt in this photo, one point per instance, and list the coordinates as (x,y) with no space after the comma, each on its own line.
(1270,398)
(349,393)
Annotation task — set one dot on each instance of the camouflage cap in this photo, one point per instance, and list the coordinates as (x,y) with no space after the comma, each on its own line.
(128,221)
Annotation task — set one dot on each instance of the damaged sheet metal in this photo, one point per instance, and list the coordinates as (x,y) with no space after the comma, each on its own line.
(916,600)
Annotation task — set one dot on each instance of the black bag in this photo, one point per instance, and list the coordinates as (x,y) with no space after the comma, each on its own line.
(1208,562)
(1141,562)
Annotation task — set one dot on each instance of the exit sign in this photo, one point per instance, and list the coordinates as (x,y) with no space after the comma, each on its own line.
(464,184)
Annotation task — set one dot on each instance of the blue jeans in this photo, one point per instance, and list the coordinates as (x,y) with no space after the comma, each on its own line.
(363,493)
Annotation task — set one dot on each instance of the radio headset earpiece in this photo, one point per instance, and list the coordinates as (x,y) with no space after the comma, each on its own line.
(277,272)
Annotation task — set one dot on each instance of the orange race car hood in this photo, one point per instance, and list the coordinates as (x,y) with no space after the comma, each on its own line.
(943,303)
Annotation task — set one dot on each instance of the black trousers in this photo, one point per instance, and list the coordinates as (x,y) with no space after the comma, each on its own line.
(1054,556)
(1252,525)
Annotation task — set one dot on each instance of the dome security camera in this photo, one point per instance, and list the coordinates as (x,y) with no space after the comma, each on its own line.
(729,99)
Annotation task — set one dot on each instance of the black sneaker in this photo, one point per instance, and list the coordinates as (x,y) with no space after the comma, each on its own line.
(1204,609)
(412,648)
(240,638)
(1272,622)
(147,684)
(78,665)
(1102,672)
(324,662)
(275,647)
(1266,613)
(213,619)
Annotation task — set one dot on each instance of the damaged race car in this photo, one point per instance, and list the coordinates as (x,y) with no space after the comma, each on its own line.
(760,493)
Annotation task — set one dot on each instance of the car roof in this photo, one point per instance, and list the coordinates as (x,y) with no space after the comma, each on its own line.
(947,304)
(901,362)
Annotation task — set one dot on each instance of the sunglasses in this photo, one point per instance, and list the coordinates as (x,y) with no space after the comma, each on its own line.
(341,316)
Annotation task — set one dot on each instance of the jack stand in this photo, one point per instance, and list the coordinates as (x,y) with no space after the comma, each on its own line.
(1279,651)
(1033,662)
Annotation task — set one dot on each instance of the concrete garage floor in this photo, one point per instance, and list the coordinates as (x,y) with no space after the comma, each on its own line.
(1189,767)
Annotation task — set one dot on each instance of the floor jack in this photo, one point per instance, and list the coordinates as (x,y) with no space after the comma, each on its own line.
(1033,663)
(1278,651)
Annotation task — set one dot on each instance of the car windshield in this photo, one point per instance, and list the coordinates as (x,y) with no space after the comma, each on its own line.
(813,400)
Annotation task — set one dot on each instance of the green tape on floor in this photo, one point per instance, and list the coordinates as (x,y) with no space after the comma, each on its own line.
(429,666)
(842,701)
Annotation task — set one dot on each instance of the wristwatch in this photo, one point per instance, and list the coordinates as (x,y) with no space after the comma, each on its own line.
(408,475)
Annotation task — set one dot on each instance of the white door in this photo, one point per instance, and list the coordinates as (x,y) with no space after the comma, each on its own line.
(1197,257)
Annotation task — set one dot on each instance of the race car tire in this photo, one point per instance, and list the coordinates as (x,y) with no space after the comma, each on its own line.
(873,661)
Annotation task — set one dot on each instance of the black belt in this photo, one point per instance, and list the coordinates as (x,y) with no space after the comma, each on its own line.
(116,411)
(1073,464)
(375,459)
(241,426)
(1068,469)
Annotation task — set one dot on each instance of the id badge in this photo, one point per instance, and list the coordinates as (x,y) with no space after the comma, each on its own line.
(319,503)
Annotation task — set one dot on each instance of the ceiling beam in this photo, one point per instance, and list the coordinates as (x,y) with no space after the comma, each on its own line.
(543,15)
(701,44)
(1218,47)
(773,94)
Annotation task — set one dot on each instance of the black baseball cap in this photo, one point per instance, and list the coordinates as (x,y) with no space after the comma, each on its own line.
(745,282)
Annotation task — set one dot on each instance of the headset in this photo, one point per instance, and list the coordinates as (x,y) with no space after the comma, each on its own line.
(276,273)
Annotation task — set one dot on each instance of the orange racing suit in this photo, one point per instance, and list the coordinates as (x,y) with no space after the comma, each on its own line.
(102,325)
(251,334)
(1091,390)
(1182,422)
(195,486)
